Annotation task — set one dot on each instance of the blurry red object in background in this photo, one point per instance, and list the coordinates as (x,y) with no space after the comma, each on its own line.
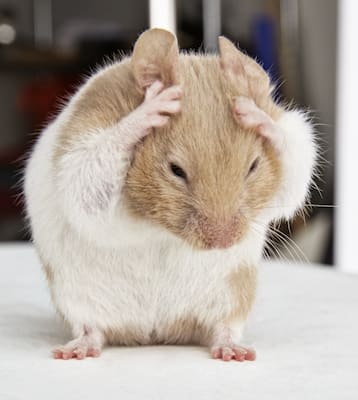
(41,99)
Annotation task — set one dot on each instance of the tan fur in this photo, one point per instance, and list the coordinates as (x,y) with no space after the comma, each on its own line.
(119,89)
(243,283)
(214,152)
(110,96)
(216,155)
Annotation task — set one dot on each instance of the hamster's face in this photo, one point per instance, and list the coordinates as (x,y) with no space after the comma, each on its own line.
(202,177)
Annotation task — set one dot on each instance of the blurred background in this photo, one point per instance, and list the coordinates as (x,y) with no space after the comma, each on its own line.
(47,47)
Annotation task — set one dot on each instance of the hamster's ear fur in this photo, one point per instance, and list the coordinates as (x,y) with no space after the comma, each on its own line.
(155,57)
(242,70)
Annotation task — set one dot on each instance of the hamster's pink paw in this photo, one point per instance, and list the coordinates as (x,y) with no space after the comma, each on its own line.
(155,111)
(233,352)
(225,344)
(250,116)
(159,103)
(78,348)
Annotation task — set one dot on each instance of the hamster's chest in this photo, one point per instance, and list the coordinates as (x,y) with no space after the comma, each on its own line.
(161,274)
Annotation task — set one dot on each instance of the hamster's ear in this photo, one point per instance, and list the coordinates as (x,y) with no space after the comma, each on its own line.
(155,57)
(241,69)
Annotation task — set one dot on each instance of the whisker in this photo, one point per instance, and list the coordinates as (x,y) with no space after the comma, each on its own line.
(271,245)
(287,241)
(292,247)
(277,250)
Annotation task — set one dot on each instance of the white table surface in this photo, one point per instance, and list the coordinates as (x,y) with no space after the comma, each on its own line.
(304,328)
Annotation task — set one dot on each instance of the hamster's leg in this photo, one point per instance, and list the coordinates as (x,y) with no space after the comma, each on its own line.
(292,135)
(88,343)
(92,171)
(226,343)
(90,177)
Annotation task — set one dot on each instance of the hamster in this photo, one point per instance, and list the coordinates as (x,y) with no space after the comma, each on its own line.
(150,195)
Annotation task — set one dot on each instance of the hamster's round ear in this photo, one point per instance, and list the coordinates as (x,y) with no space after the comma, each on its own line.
(239,67)
(155,57)
(230,57)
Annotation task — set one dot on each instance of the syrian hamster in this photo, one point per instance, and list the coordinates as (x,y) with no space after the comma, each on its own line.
(150,195)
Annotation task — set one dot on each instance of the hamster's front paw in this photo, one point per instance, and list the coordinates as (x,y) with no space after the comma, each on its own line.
(158,103)
(250,116)
(154,112)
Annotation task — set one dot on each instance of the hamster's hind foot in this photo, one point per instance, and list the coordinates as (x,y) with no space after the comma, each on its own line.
(233,352)
(89,344)
(225,344)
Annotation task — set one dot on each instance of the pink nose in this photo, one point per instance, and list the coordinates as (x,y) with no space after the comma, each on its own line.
(219,235)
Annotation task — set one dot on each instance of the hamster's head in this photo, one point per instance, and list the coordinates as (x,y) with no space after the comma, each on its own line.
(202,177)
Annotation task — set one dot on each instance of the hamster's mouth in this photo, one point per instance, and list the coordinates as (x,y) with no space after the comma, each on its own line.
(222,242)
(217,246)
(212,234)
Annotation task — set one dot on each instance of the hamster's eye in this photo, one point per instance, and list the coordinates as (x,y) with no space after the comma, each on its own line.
(253,166)
(177,171)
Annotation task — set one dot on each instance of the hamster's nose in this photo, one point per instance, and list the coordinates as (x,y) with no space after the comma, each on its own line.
(219,234)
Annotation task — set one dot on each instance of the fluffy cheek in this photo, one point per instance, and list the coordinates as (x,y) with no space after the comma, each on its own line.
(262,186)
(154,201)
(173,218)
